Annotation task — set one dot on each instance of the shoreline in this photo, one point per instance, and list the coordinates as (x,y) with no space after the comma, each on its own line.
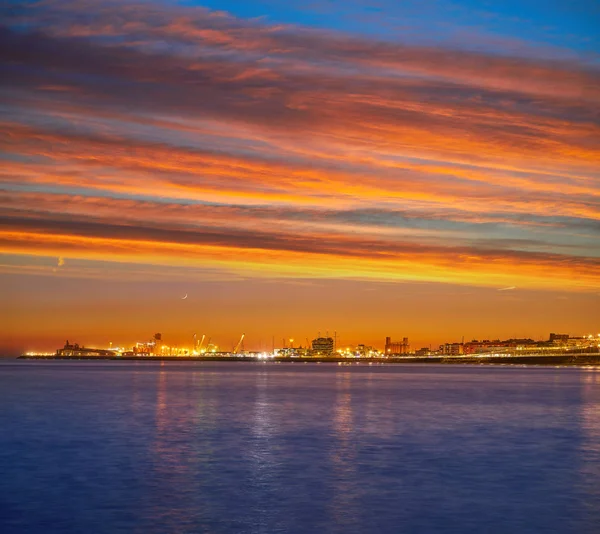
(563,360)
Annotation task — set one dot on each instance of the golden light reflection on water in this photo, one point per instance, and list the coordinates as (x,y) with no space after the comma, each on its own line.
(590,447)
(263,430)
(172,420)
(260,454)
(162,419)
(343,502)
(262,427)
(591,408)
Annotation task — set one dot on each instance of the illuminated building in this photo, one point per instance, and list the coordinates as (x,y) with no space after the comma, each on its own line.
(392,347)
(363,350)
(322,346)
(496,346)
(75,350)
(558,338)
(148,348)
(453,349)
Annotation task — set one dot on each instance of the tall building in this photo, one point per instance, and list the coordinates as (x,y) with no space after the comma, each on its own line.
(396,347)
(322,346)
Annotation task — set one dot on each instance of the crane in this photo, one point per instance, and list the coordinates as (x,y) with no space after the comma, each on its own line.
(237,347)
(201,343)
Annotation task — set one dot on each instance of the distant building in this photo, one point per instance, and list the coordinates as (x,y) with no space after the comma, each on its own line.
(396,347)
(145,348)
(363,350)
(485,346)
(296,352)
(149,348)
(75,350)
(558,338)
(453,349)
(322,346)
(496,346)
(522,341)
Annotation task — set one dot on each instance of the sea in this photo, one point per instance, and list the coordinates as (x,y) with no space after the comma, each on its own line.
(149,447)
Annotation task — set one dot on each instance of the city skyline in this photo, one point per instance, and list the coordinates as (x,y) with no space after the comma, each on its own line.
(557,348)
(427,170)
(198,344)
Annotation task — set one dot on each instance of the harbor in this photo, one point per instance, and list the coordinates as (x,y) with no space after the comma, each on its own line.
(557,349)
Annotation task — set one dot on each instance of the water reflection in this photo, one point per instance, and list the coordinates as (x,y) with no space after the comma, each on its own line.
(269,448)
(178,458)
(590,450)
(344,502)
(260,453)
(161,442)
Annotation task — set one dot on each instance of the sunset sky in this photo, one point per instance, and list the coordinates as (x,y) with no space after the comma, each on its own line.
(428,169)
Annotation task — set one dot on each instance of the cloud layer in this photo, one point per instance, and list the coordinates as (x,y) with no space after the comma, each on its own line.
(174,135)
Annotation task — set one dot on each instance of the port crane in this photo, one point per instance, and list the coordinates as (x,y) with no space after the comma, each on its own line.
(239,344)
(201,343)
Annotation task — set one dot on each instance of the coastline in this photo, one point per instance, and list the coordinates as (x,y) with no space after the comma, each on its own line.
(563,360)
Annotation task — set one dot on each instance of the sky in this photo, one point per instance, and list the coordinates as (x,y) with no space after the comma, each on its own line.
(423,169)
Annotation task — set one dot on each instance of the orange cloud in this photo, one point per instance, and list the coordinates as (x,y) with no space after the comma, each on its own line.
(293,150)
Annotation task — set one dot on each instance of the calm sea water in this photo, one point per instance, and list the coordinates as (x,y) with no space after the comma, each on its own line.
(105,447)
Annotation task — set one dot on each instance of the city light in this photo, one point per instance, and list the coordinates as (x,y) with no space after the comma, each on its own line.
(322,349)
